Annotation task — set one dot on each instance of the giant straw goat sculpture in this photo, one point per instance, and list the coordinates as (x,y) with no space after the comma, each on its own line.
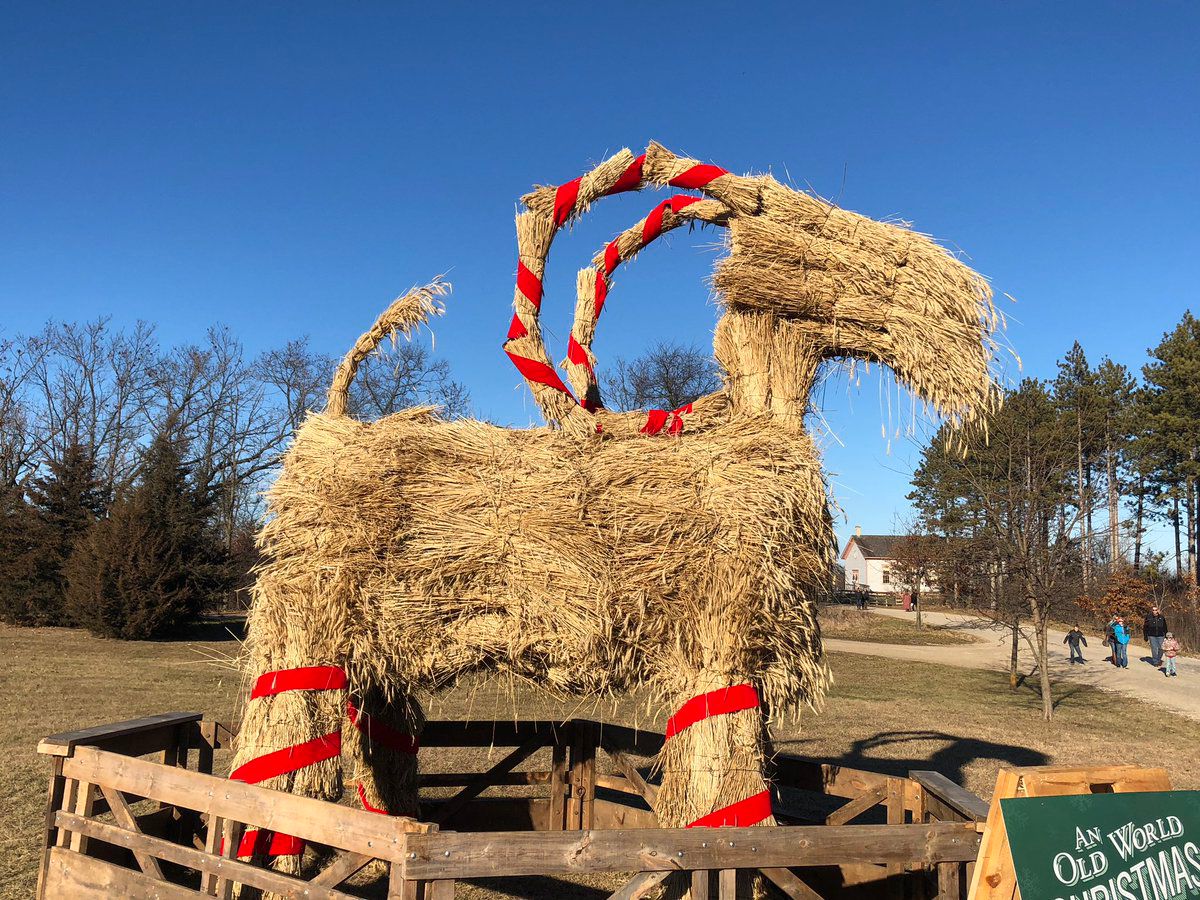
(679,549)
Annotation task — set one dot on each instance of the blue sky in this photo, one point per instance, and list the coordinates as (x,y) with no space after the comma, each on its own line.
(288,168)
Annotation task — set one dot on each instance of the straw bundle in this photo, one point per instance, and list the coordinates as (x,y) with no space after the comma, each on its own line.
(412,551)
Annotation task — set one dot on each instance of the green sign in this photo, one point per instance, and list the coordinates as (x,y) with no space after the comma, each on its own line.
(1139,846)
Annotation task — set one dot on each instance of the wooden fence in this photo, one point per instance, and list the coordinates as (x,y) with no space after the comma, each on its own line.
(120,824)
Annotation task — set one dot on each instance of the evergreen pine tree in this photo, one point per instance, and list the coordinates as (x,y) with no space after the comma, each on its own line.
(26,593)
(155,562)
(68,498)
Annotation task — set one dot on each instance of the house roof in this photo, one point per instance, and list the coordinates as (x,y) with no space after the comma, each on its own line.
(873,546)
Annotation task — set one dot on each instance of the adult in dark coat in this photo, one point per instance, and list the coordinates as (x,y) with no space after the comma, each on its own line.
(1154,630)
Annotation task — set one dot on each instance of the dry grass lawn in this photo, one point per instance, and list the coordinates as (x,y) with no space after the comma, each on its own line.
(883,714)
(851,624)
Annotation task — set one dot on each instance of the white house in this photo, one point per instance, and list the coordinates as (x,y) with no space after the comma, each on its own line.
(867,560)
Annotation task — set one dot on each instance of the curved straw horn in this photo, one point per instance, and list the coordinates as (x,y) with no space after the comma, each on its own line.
(403,315)
(595,281)
(547,209)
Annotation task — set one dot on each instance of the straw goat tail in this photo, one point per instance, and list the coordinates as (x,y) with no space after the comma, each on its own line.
(404,315)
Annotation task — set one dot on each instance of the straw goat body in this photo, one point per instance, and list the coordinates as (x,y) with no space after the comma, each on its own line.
(412,551)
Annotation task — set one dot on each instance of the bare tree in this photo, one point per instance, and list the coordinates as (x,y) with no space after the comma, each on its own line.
(91,384)
(405,375)
(668,376)
(18,439)
(299,376)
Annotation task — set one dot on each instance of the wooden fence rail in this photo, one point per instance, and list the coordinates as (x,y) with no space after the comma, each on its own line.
(120,825)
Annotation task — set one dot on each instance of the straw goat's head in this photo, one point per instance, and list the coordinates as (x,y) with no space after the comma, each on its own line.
(803,282)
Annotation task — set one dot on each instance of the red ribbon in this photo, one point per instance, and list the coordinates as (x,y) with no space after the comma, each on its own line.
(742,814)
(630,178)
(654,222)
(600,295)
(715,703)
(362,798)
(289,759)
(565,198)
(529,285)
(539,372)
(380,732)
(577,355)
(307,678)
(612,257)
(697,177)
(279,845)
(656,418)
(516,328)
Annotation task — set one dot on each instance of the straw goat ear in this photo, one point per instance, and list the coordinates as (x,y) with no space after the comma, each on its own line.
(406,313)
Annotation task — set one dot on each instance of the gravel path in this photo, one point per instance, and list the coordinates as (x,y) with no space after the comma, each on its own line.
(992,648)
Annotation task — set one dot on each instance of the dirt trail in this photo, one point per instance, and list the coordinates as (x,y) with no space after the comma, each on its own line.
(992,648)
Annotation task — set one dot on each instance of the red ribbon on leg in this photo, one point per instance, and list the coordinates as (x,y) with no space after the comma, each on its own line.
(721,702)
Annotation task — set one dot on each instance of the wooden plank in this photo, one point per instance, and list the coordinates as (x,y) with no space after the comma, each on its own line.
(699,887)
(462,779)
(228,869)
(124,816)
(949,883)
(459,855)
(792,885)
(489,734)
(895,816)
(496,814)
(640,885)
(63,743)
(231,839)
(484,780)
(558,789)
(70,792)
(591,742)
(440,890)
(621,816)
(85,798)
(81,877)
(205,743)
(727,884)
(54,800)
(856,807)
(342,867)
(635,741)
(647,791)
(970,806)
(212,846)
(312,820)
(824,778)
(994,878)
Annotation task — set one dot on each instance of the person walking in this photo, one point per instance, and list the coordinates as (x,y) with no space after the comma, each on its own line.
(1110,639)
(1073,639)
(1121,636)
(1154,630)
(1171,650)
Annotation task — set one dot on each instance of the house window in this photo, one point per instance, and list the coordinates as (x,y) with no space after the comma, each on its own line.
(854,575)
(887,576)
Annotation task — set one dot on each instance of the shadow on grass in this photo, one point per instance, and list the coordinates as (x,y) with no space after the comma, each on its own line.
(211,630)
(951,758)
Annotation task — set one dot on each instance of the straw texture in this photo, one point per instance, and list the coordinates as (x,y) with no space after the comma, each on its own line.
(591,560)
